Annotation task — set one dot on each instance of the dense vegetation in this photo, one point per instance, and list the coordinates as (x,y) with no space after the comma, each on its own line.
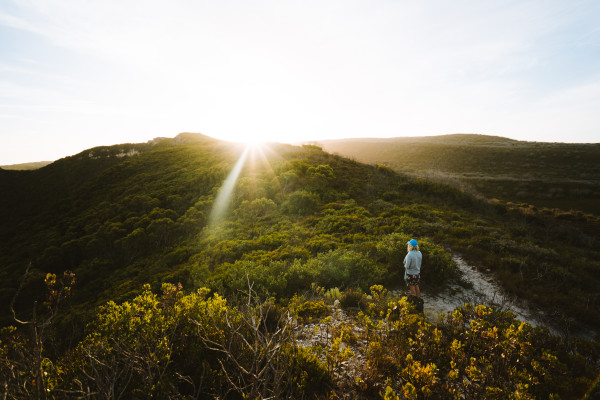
(564,176)
(106,231)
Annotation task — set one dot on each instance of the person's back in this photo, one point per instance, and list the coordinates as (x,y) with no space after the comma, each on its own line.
(412,262)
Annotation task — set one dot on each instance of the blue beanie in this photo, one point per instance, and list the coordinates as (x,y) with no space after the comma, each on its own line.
(413,242)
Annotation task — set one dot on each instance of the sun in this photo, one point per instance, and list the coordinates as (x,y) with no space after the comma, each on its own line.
(254,142)
(255,145)
(251,138)
(255,157)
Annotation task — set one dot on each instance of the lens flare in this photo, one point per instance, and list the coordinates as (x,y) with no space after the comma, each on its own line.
(224,196)
(254,156)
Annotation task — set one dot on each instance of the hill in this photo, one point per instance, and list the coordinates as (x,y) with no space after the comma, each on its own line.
(26,166)
(552,175)
(193,267)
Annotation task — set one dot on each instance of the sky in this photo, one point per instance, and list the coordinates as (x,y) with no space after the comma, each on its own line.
(77,74)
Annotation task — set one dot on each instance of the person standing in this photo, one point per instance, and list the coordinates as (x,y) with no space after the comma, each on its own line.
(412,266)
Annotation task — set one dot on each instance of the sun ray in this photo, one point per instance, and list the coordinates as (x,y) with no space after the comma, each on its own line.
(253,159)
(224,197)
(260,153)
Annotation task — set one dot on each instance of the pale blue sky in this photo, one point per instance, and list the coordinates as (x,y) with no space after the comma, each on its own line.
(76,74)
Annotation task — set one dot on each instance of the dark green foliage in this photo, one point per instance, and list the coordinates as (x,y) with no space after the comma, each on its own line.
(301,202)
(340,268)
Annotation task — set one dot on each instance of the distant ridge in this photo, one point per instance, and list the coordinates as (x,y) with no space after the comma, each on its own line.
(450,139)
(545,174)
(26,166)
(184,137)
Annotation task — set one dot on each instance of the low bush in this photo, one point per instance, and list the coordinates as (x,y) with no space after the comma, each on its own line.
(353,299)
(311,310)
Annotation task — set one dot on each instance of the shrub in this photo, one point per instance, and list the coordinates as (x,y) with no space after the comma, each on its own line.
(300,275)
(352,299)
(301,202)
(311,310)
(342,267)
(307,373)
(176,346)
(333,294)
(256,208)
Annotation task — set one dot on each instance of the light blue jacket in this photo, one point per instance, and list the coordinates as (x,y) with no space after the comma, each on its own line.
(412,262)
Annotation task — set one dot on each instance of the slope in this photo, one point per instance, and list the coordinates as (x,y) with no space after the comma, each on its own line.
(553,175)
(296,216)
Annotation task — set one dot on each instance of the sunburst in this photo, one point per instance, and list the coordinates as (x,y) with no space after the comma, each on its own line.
(255,158)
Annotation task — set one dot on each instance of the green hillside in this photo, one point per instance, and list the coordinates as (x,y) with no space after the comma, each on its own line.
(158,295)
(34,192)
(551,175)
